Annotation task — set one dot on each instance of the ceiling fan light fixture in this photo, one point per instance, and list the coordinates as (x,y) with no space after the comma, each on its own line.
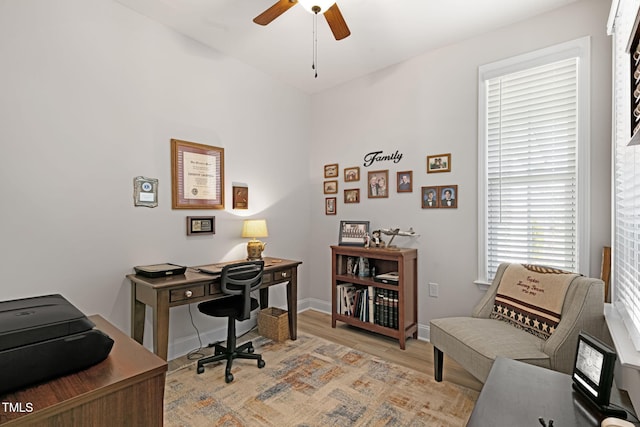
(321,6)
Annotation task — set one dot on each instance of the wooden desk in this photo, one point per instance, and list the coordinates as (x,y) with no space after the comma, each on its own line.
(517,394)
(194,287)
(127,388)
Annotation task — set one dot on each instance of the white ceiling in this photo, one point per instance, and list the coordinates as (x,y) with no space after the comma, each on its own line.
(383,32)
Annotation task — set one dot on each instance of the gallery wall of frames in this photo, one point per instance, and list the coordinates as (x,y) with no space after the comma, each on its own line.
(378,183)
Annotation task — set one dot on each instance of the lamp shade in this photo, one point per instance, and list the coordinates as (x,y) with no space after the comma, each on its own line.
(322,4)
(255,228)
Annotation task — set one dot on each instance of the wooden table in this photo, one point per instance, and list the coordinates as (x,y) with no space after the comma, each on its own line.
(194,287)
(517,394)
(127,388)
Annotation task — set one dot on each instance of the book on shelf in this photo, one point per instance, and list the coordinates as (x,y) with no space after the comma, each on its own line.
(368,304)
(386,308)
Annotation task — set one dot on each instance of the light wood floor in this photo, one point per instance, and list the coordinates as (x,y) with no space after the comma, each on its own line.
(418,354)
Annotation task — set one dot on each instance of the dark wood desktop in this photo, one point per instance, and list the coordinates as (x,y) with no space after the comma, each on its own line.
(193,287)
(518,394)
(127,388)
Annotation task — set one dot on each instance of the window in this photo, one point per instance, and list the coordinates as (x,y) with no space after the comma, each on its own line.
(533,151)
(626,186)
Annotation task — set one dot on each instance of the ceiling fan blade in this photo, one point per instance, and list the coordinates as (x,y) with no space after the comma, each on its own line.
(336,22)
(274,11)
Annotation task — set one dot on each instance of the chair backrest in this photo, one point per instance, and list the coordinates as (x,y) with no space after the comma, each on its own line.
(241,279)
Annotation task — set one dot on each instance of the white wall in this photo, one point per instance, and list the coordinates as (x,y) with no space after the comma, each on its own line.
(427,106)
(90,95)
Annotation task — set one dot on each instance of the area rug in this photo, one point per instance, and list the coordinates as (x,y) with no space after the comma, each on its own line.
(313,382)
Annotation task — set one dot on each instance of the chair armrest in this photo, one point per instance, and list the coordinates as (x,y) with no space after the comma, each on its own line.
(484,307)
(583,310)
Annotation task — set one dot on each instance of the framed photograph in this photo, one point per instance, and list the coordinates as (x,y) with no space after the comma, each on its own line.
(145,191)
(330,187)
(197,176)
(331,171)
(201,225)
(352,174)
(448,196)
(430,197)
(439,163)
(405,182)
(329,205)
(352,195)
(240,197)
(353,233)
(378,184)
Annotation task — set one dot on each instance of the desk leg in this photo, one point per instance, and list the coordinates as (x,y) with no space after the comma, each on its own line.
(161,324)
(137,316)
(264,298)
(292,304)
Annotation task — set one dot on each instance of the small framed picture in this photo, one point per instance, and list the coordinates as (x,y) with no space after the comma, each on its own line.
(448,196)
(240,197)
(439,163)
(329,205)
(353,233)
(145,191)
(430,197)
(378,187)
(405,182)
(330,187)
(352,195)
(201,225)
(331,171)
(352,174)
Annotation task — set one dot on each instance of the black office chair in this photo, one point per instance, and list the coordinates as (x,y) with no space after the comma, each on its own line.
(238,281)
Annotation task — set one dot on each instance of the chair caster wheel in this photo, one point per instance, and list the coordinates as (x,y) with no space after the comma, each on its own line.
(200,369)
(261,363)
(228,378)
(250,350)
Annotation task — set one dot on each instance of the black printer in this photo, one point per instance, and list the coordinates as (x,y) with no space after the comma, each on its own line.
(46,337)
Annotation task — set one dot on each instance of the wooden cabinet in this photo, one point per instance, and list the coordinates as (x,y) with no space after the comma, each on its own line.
(357,299)
(125,389)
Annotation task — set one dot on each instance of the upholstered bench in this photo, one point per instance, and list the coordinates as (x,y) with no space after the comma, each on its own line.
(529,313)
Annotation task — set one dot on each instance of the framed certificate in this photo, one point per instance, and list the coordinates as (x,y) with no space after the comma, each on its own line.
(197,176)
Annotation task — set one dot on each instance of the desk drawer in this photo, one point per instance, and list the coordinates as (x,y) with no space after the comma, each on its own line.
(277,276)
(187,293)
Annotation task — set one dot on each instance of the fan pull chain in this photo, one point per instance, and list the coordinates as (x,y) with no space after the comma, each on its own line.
(314,65)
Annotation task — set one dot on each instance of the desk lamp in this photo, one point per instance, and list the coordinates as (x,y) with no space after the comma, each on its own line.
(254,228)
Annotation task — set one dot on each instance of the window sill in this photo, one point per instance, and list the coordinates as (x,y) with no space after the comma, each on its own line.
(628,356)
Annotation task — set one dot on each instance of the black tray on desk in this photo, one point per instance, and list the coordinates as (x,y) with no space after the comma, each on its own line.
(160,270)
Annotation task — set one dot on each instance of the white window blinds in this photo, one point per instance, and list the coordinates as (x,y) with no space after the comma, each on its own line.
(626,183)
(531,166)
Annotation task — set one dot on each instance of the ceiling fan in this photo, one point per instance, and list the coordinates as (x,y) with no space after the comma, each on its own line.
(328,8)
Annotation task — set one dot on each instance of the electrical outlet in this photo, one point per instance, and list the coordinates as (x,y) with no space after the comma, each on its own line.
(433,290)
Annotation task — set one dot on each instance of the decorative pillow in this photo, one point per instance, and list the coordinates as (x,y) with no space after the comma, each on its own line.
(531,297)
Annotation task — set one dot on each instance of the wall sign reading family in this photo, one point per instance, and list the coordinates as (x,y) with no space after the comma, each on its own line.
(377,156)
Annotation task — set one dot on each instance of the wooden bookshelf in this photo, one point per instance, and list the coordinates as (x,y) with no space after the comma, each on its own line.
(389,309)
